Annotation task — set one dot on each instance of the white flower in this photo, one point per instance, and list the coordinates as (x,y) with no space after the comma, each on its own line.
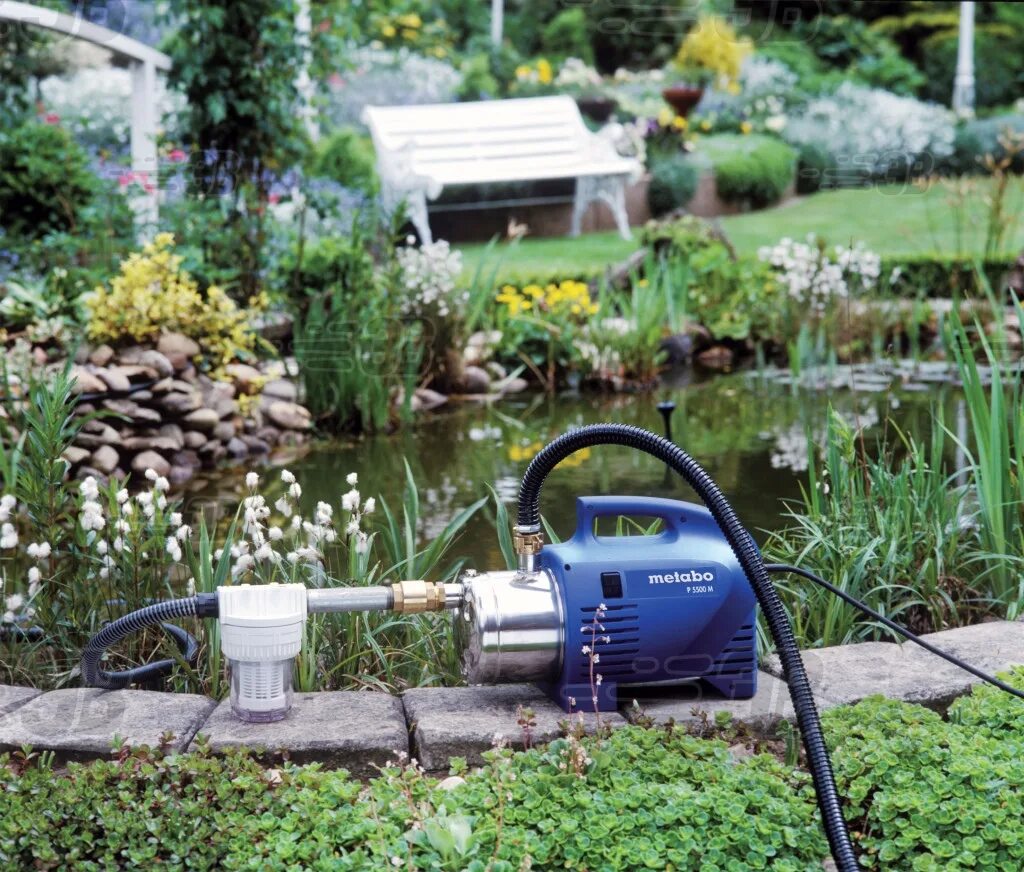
(118,544)
(350,501)
(39,550)
(252,480)
(295,490)
(7,506)
(92,516)
(264,552)
(352,527)
(176,520)
(162,485)
(324,513)
(89,489)
(151,474)
(287,477)
(190,586)
(14,602)
(283,506)
(362,543)
(184,531)
(173,549)
(122,496)
(243,564)
(293,557)
(275,534)
(369,505)
(352,478)
(101,546)
(34,575)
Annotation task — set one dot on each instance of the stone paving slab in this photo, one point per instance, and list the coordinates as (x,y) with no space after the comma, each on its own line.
(82,723)
(15,697)
(355,730)
(846,674)
(688,704)
(448,722)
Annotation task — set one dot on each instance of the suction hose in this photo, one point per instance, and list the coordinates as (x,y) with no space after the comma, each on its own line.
(749,557)
(203,605)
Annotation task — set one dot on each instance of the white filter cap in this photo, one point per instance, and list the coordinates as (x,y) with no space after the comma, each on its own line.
(261,622)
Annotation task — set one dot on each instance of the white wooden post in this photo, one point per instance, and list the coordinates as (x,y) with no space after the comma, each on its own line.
(963,83)
(303,82)
(497,21)
(145,198)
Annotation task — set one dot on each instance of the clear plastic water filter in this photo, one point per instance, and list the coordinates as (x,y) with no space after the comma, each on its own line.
(261,634)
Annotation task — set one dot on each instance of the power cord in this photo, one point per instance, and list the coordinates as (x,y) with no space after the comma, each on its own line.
(892,625)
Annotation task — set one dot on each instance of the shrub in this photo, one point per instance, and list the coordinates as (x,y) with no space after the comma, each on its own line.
(874,134)
(980,137)
(998,67)
(712,52)
(45,180)
(348,158)
(814,168)
(752,170)
(942,275)
(673,183)
(565,36)
(329,265)
(153,294)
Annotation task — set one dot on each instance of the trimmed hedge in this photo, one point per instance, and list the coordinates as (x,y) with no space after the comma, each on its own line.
(751,170)
(922,794)
(939,275)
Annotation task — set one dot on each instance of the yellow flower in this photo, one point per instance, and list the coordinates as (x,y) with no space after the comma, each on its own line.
(733,87)
(410,35)
(545,74)
(643,283)
(679,123)
(705,124)
(523,72)
(746,127)
(388,30)
(410,20)
(665,117)
(534,291)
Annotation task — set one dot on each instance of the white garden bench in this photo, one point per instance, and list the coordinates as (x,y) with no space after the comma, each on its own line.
(423,149)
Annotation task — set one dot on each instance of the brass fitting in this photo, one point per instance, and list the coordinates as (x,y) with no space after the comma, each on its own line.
(527,546)
(418,596)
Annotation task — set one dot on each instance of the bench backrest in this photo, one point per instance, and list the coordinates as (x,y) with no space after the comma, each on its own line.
(452,141)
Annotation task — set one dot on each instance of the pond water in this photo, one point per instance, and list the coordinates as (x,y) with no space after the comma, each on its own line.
(748,431)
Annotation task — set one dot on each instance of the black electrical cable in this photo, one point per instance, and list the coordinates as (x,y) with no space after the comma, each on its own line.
(892,625)
(749,557)
(93,675)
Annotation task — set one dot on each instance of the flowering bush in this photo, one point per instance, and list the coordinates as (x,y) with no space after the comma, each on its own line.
(874,134)
(153,293)
(428,277)
(812,276)
(577,77)
(540,325)
(712,53)
(533,78)
(385,77)
(95,105)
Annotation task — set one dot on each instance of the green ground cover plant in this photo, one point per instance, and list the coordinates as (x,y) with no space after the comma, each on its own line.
(922,793)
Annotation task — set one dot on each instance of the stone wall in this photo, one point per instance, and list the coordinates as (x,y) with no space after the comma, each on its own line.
(363,730)
(161,413)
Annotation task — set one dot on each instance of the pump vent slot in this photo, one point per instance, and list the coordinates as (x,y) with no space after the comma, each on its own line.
(621,623)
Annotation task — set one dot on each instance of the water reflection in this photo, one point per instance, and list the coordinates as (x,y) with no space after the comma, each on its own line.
(750,433)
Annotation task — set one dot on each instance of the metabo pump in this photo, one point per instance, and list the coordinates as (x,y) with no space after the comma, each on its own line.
(676,606)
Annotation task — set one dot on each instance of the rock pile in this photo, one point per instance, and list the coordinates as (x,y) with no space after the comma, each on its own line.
(157,411)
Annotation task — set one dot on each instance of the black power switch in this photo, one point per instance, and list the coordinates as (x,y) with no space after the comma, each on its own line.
(611,585)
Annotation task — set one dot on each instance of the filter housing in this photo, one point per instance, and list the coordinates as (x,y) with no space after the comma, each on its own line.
(261,634)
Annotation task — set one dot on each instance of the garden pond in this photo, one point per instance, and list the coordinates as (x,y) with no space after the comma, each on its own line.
(749,430)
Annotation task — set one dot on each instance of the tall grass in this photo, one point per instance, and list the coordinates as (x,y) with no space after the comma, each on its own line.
(886,530)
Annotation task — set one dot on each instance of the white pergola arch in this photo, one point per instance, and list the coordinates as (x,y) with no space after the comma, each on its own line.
(144,62)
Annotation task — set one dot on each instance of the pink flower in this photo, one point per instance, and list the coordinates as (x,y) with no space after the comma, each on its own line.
(51,118)
(176,155)
(125,179)
(336,80)
(274,199)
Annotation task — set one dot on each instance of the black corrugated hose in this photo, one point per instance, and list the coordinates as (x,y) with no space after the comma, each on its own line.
(749,557)
(203,605)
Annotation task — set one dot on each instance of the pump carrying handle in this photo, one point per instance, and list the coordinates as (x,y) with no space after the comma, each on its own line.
(669,512)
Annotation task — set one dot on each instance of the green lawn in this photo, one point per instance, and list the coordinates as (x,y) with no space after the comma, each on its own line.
(893,220)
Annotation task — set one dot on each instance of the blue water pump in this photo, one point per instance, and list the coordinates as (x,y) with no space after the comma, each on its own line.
(634,610)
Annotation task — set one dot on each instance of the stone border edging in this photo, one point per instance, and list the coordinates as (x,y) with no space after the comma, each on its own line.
(361,731)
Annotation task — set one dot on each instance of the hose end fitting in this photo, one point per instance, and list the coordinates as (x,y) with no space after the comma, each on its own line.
(415,596)
(528,542)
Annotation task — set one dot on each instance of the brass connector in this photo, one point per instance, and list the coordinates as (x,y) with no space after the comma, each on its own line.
(527,543)
(418,596)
